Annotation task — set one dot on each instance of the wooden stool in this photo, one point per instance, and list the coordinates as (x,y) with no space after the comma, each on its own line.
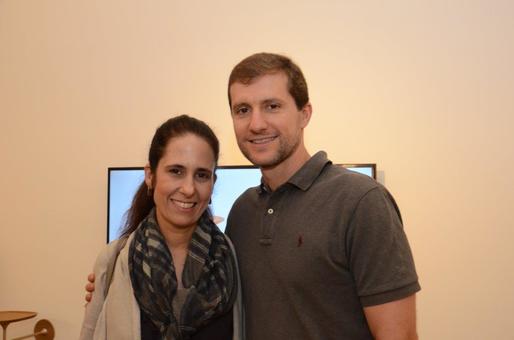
(43,330)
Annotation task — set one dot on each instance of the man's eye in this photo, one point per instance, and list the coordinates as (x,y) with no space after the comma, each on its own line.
(273,106)
(242,110)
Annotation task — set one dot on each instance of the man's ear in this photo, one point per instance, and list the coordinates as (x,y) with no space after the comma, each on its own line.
(306,114)
(148,176)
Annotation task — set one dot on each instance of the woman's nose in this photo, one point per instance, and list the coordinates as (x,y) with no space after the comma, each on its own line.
(187,186)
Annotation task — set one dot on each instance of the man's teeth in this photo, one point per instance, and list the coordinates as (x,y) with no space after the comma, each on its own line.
(185,205)
(262,140)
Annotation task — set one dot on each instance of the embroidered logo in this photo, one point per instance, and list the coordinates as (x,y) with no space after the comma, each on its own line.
(300,240)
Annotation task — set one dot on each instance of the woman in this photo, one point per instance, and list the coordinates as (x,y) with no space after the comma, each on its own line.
(174,272)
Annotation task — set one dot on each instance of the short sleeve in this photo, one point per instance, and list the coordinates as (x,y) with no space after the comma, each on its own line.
(379,254)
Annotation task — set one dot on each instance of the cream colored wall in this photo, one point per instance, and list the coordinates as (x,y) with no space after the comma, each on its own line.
(423,88)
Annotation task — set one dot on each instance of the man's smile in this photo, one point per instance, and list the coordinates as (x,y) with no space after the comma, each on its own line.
(262,140)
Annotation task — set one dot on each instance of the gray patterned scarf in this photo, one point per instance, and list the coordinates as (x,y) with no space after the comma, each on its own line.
(208,274)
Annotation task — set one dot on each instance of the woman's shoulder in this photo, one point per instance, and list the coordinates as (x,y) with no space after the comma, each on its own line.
(109,252)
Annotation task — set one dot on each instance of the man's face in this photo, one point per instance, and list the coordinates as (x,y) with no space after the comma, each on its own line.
(267,123)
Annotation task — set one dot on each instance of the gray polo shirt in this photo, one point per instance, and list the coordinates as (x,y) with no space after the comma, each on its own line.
(316,251)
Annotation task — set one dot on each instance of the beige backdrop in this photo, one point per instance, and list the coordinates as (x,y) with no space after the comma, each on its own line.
(423,88)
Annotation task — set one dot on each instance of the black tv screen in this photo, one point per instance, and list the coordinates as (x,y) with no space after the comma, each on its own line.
(231,182)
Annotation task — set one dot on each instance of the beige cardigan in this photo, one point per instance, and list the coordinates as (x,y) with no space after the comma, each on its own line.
(117,316)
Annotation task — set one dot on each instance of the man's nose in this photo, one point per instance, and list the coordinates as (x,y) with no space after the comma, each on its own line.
(258,121)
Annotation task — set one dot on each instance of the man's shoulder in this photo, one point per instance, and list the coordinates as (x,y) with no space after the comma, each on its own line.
(248,195)
(337,178)
(242,206)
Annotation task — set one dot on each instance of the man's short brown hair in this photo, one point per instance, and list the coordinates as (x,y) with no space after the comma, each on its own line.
(260,64)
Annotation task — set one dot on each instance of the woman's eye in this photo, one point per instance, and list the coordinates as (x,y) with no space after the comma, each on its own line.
(175,171)
(203,175)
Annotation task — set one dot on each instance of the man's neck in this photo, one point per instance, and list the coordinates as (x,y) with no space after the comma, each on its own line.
(281,173)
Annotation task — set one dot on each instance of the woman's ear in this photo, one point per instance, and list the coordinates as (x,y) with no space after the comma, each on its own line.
(148,177)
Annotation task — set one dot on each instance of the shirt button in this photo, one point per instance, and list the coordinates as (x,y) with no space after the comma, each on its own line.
(270,211)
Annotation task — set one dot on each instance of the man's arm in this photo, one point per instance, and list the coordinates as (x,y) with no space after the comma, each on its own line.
(394,320)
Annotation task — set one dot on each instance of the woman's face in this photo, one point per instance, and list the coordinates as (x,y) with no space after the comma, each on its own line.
(183,181)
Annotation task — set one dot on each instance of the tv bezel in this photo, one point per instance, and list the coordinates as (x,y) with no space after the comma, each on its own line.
(373,167)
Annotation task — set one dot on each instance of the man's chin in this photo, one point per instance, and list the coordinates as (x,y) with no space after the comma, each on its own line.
(264,163)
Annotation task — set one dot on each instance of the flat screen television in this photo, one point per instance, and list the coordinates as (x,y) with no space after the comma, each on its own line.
(231,182)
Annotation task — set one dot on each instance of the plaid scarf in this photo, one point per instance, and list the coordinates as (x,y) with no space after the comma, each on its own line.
(208,274)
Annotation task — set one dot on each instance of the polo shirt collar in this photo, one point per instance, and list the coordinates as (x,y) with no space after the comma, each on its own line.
(307,174)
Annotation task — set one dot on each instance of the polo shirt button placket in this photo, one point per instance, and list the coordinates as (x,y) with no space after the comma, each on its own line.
(266,237)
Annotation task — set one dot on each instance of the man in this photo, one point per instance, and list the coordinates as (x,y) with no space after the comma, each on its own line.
(322,251)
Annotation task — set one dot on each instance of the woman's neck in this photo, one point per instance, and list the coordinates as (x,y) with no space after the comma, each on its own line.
(177,238)
(178,241)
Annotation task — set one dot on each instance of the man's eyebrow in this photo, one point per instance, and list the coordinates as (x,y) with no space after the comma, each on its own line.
(269,100)
(238,105)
